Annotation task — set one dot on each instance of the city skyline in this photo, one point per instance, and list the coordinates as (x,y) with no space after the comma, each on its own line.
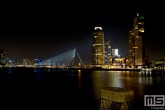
(46,36)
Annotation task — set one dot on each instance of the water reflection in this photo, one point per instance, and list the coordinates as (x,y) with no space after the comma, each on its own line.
(137,81)
(113,79)
(98,81)
(9,70)
(79,73)
(79,81)
(81,86)
(37,70)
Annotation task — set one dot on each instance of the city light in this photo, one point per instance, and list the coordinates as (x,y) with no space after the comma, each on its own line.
(98,28)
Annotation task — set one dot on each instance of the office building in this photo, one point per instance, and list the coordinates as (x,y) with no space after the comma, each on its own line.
(136,43)
(131,49)
(18,61)
(107,51)
(2,57)
(115,52)
(98,47)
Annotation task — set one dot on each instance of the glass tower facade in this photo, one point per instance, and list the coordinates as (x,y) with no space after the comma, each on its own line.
(136,42)
(98,47)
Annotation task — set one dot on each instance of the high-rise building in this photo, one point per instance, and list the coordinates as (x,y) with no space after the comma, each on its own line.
(28,62)
(107,51)
(17,61)
(136,42)
(115,52)
(2,57)
(131,49)
(98,47)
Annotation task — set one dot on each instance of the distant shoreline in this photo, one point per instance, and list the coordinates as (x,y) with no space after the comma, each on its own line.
(110,69)
(103,69)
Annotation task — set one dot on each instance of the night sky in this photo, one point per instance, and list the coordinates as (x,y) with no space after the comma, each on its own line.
(46,31)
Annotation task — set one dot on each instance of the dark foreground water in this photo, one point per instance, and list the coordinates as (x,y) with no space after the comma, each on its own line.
(31,88)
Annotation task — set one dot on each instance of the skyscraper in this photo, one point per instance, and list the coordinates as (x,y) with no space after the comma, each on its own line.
(115,52)
(98,46)
(107,51)
(131,49)
(2,57)
(136,42)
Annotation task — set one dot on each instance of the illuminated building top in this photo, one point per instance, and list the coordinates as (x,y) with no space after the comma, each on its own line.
(98,28)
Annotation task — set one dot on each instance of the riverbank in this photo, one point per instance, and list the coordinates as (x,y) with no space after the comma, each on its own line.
(105,69)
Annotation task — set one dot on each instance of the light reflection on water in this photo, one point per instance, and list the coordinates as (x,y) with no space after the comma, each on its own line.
(114,79)
(79,81)
(89,83)
(9,70)
(38,73)
(141,82)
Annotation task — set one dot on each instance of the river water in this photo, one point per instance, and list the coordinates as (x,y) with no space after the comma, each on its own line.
(36,88)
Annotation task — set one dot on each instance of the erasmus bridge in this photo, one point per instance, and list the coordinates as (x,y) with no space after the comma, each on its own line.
(64,59)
